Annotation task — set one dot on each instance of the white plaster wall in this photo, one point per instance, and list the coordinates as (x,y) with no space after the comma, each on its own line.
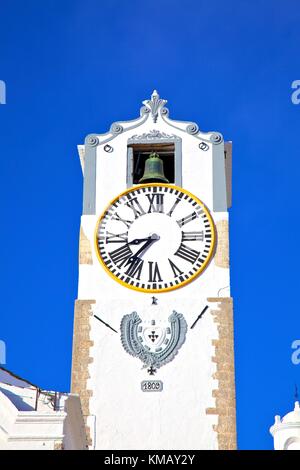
(39,430)
(287,438)
(174,418)
(30,430)
(124,417)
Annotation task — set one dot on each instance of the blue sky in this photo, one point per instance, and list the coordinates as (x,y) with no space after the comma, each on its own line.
(73,67)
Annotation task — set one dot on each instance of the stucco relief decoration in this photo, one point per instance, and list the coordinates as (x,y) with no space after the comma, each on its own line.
(108,148)
(92,140)
(153,135)
(154,344)
(116,128)
(154,105)
(216,138)
(203,146)
(192,128)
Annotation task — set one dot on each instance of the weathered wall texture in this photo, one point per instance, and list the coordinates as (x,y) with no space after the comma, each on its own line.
(224,359)
(81,356)
(222,251)
(58,445)
(85,251)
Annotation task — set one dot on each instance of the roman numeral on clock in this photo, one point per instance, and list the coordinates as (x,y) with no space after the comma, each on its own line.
(124,221)
(173,207)
(116,238)
(156,203)
(187,219)
(120,255)
(154,274)
(175,269)
(193,236)
(135,268)
(187,253)
(136,207)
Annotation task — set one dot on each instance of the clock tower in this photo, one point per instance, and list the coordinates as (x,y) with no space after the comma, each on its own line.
(153,358)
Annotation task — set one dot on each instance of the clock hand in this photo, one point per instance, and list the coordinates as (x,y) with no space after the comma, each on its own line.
(151,239)
(140,251)
(137,241)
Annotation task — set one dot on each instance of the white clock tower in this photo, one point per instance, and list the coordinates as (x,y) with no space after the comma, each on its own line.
(153,357)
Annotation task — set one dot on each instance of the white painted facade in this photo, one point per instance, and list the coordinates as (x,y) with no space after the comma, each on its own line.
(28,419)
(286,430)
(121,415)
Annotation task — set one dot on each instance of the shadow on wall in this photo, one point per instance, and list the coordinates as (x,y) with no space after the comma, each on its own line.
(17,400)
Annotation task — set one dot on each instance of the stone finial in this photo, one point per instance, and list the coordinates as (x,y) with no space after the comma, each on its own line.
(155,104)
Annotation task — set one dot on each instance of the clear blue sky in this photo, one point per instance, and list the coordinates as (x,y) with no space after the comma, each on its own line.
(73,67)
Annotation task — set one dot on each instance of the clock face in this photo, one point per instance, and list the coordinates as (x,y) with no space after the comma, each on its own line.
(155,237)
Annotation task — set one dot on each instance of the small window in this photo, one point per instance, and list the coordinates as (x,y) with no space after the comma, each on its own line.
(140,153)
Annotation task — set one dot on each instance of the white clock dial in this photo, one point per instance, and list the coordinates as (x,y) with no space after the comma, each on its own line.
(155,237)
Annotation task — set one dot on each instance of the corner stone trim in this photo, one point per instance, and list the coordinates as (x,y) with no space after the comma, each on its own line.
(225,407)
(81,357)
(222,252)
(85,252)
(58,445)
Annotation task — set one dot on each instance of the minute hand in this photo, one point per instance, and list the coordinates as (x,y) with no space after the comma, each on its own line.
(146,245)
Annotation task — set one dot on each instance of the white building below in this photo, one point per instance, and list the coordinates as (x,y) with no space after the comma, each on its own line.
(286,431)
(31,418)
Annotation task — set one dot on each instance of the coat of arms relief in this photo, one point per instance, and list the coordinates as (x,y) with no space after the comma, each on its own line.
(154,344)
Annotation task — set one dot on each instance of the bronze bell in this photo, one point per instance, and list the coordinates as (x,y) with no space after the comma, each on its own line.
(154,170)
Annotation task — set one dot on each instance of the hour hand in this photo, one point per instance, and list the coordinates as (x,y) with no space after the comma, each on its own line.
(148,242)
(141,251)
(137,241)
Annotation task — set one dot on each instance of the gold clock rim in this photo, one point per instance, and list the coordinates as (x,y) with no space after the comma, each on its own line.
(165,289)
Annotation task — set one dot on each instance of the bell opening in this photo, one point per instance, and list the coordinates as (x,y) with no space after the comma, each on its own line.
(142,152)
